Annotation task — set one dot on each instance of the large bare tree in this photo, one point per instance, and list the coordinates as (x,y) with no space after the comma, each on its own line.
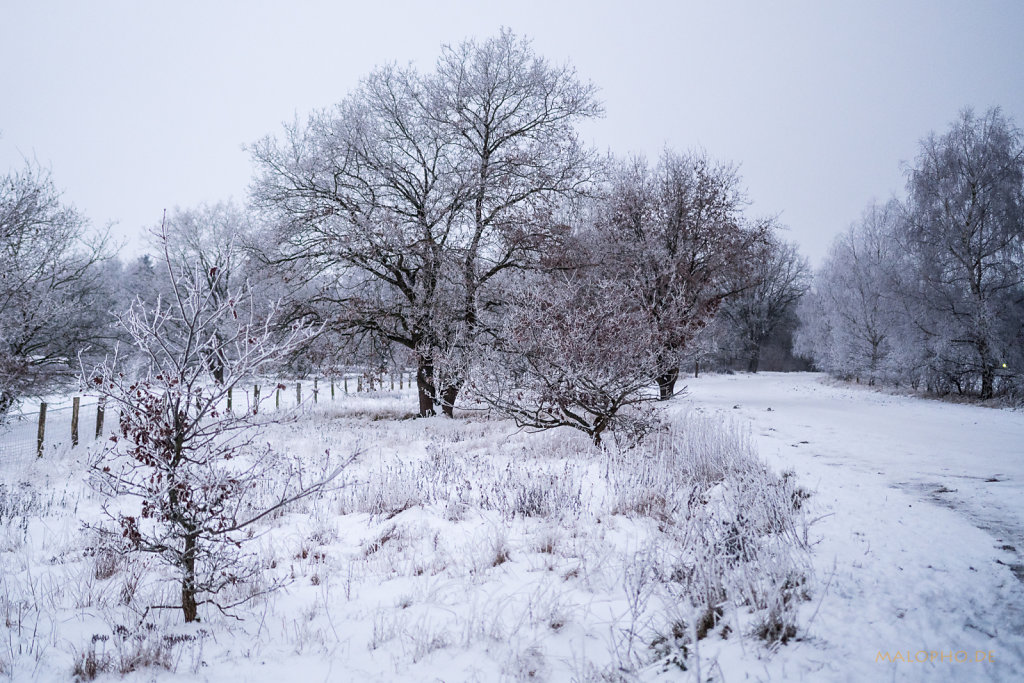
(402,204)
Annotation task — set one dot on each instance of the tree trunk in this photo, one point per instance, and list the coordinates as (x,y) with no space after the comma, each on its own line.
(755,359)
(988,377)
(988,369)
(6,402)
(216,362)
(448,396)
(188,581)
(425,385)
(667,384)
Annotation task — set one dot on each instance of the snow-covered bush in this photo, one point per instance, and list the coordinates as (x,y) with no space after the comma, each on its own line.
(739,531)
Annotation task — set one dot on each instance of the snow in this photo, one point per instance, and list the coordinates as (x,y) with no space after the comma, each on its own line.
(921,529)
(917,529)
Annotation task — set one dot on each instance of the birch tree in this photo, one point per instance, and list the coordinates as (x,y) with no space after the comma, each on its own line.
(964,232)
(852,322)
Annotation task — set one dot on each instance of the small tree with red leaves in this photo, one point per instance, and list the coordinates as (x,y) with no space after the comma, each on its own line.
(184,473)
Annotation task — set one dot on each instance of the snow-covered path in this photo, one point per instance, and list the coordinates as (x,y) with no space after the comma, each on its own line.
(922,534)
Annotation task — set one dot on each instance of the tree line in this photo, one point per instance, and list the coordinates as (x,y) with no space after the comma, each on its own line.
(927,290)
(451,220)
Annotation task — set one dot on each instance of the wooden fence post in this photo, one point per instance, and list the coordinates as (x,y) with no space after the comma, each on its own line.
(359,383)
(229,399)
(42,430)
(332,388)
(277,398)
(255,399)
(101,405)
(298,393)
(346,383)
(76,403)
(316,391)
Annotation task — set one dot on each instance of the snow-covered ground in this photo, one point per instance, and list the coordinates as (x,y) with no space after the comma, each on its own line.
(921,537)
(468,550)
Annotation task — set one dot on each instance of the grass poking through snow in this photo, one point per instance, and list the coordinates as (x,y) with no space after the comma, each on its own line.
(457,549)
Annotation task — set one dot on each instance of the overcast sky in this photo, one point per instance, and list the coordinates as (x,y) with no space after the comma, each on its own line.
(141,106)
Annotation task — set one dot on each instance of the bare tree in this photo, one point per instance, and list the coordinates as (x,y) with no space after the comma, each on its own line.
(932,290)
(208,243)
(409,198)
(513,118)
(676,234)
(767,295)
(574,350)
(363,199)
(185,477)
(964,230)
(51,283)
(851,321)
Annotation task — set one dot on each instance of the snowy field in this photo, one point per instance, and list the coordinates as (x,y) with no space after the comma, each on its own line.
(882,527)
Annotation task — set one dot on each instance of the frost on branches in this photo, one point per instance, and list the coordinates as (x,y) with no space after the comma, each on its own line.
(573,352)
(50,283)
(675,235)
(929,290)
(185,477)
(402,207)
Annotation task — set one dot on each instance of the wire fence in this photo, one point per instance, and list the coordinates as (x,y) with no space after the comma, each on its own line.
(50,430)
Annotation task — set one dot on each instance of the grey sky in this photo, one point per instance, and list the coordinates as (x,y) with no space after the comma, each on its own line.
(137,107)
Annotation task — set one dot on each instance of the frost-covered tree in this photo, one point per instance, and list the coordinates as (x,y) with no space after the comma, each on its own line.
(406,201)
(52,287)
(852,321)
(210,239)
(574,350)
(185,477)
(208,243)
(964,233)
(931,290)
(766,294)
(675,234)
(140,280)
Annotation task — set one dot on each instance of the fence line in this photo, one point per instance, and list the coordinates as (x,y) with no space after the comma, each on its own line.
(42,432)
